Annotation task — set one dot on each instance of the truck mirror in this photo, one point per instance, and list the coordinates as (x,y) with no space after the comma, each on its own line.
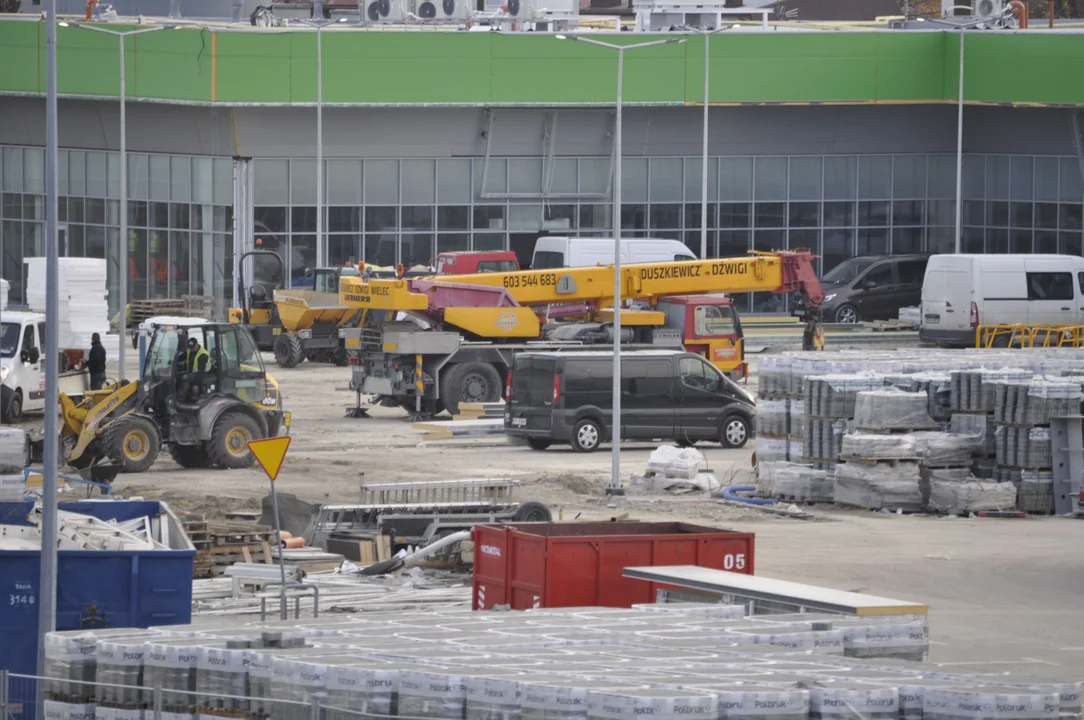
(32,356)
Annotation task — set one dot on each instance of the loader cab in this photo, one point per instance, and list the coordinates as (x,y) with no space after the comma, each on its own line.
(327,279)
(710,327)
(256,292)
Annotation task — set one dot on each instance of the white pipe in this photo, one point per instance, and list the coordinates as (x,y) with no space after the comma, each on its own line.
(431,549)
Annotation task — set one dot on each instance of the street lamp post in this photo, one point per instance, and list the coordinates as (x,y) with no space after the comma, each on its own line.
(615,487)
(122,249)
(704,150)
(960,149)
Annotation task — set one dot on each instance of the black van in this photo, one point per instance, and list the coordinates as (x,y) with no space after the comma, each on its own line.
(871,287)
(665,395)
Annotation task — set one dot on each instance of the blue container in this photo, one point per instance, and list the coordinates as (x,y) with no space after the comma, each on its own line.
(95,589)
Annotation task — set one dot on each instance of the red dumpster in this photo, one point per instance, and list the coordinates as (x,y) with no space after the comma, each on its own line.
(532,565)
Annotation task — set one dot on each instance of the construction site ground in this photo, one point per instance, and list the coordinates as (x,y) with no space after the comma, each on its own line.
(1005,594)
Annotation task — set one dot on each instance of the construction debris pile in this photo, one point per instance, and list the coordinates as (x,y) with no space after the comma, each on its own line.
(666,661)
(915,432)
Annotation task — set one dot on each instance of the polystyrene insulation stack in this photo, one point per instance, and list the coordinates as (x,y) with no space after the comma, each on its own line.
(83,308)
(877,487)
(659,703)
(171,666)
(988,702)
(70,661)
(891,409)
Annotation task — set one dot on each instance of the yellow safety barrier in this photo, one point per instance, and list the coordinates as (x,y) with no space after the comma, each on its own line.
(1022,335)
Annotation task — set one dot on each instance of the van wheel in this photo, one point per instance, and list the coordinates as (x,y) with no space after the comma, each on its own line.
(586,436)
(538,443)
(685,443)
(735,432)
(14,412)
(847,314)
(470,383)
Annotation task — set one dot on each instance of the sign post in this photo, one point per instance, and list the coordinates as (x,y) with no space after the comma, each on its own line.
(269,454)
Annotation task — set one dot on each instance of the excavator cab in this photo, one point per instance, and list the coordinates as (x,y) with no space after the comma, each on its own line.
(257,309)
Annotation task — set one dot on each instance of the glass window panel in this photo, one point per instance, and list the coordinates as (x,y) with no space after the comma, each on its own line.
(736,178)
(770,215)
(974,177)
(178,216)
(419,182)
(666,180)
(203,180)
(96,212)
(33,233)
(1020,214)
(76,244)
(303,182)
(12,206)
(370,249)
(875,176)
(76,210)
(873,212)
(692,240)
(179,263)
(805,178)
(159,214)
(344,249)
(159,175)
(271,182)
(562,179)
(997,240)
(62,209)
(527,218)
(805,214)
(666,216)
(907,240)
(1069,243)
(942,212)
(33,207)
(1020,241)
(768,240)
(344,219)
(1070,189)
(303,219)
(158,268)
(595,175)
(343,182)
(489,241)
(908,212)
(735,215)
(771,178)
(997,177)
(489,217)
(453,242)
(496,181)
(417,217)
(973,240)
(302,254)
(940,240)
(196,218)
(1022,180)
(138,176)
(941,176)
(974,212)
(634,180)
(453,181)
(837,247)
(595,217)
(1046,242)
(692,216)
(997,213)
(381,218)
(381,183)
(222,219)
(1046,215)
(223,190)
(13,170)
(525,176)
(1046,178)
(839,214)
(62,173)
(453,217)
(909,176)
(558,217)
(269,219)
(633,217)
(693,177)
(872,242)
(33,170)
(808,239)
(1069,217)
(77,172)
(734,243)
(112,167)
(416,249)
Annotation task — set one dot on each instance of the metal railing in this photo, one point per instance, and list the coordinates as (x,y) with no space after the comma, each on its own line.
(30,697)
(1024,335)
(437,491)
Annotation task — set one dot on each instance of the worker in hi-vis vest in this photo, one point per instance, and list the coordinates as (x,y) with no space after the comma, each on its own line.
(196,360)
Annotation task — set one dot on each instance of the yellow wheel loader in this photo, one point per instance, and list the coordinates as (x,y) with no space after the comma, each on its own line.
(204,417)
(257,311)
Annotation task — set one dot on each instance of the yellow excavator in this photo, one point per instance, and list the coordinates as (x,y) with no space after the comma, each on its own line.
(204,419)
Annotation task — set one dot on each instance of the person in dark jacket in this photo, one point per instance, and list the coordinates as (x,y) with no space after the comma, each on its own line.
(96,362)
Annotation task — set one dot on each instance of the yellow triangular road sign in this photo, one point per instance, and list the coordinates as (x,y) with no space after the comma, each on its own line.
(270,453)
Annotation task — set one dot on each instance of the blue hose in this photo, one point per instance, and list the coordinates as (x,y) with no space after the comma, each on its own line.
(729,494)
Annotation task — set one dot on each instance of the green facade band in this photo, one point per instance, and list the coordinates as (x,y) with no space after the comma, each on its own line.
(444,68)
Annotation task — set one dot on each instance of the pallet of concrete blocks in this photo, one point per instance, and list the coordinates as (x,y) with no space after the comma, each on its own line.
(776,379)
(222,681)
(14,450)
(779,418)
(841,700)
(974,389)
(770,449)
(358,688)
(956,497)
(432,693)
(891,409)
(1035,401)
(904,637)
(119,673)
(54,710)
(800,483)
(1023,447)
(821,642)
(659,703)
(935,385)
(983,703)
(170,667)
(492,697)
(978,425)
(880,486)
(859,446)
(1036,492)
(945,449)
(823,440)
(70,664)
(737,701)
(671,462)
(836,396)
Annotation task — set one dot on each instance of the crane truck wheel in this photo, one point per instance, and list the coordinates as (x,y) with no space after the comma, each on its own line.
(228,446)
(190,456)
(134,442)
(469,383)
(532,512)
(288,352)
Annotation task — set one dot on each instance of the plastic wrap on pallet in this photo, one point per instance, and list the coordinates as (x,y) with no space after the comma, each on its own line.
(957,498)
(791,481)
(543,699)
(296,680)
(873,446)
(826,642)
(431,694)
(834,396)
(943,449)
(979,426)
(492,698)
(675,462)
(752,702)
(102,712)
(1069,704)
(14,450)
(171,666)
(1039,451)
(988,702)
(772,417)
(222,676)
(356,686)
(772,449)
(900,637)
(260,672)
(54,710)
(891,409)
(879,487)
(70,661)
(845,701)
(120,673)
(1036,491)
(656,703)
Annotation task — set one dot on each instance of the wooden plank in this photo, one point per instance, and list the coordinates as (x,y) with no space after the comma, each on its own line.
(266,546)
(383,548)
(365,551)
(246,554)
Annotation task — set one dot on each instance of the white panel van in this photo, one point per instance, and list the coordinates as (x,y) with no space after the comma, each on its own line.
(961,292)
(558,252)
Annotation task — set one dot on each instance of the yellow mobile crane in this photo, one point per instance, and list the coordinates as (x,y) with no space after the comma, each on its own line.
(432,343)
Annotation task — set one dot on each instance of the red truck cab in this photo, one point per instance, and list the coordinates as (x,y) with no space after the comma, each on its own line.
(710,327)
(470,263)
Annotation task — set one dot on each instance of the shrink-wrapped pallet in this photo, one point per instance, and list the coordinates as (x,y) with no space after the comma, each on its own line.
(959,498)
(874,446)
(658,703)
(846,701)
(945,449)
(70,662)
(119,673)
(758,702)
(83,308)
(902,637)
(14,450)
(970,703)
(54,710)
(222,677)
(1036,492)
(432,694)
(170,665)
(891,409)
(879,487)
(492,698)
(802,483)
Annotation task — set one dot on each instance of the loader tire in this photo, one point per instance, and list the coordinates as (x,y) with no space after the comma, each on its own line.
(134,442)
(288,352)
(228,446)
(470,383)
(190,456)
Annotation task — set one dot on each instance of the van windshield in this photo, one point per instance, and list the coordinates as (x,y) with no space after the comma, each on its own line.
(547,259)
(494,266)
(846,271)
(532,381)
(9,339)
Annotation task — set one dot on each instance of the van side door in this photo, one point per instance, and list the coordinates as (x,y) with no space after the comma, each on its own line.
(876,292)
(700,405)
(33,382)
(647,398)
(1051,296)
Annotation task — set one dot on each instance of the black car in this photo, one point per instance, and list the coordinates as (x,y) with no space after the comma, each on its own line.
(665,395)
(872,287)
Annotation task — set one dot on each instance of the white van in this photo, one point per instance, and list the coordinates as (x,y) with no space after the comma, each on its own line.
(961,292)
(560,252)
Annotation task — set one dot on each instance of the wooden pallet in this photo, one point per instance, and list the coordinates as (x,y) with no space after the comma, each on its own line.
(891,325)
(894,462)
(185,306)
